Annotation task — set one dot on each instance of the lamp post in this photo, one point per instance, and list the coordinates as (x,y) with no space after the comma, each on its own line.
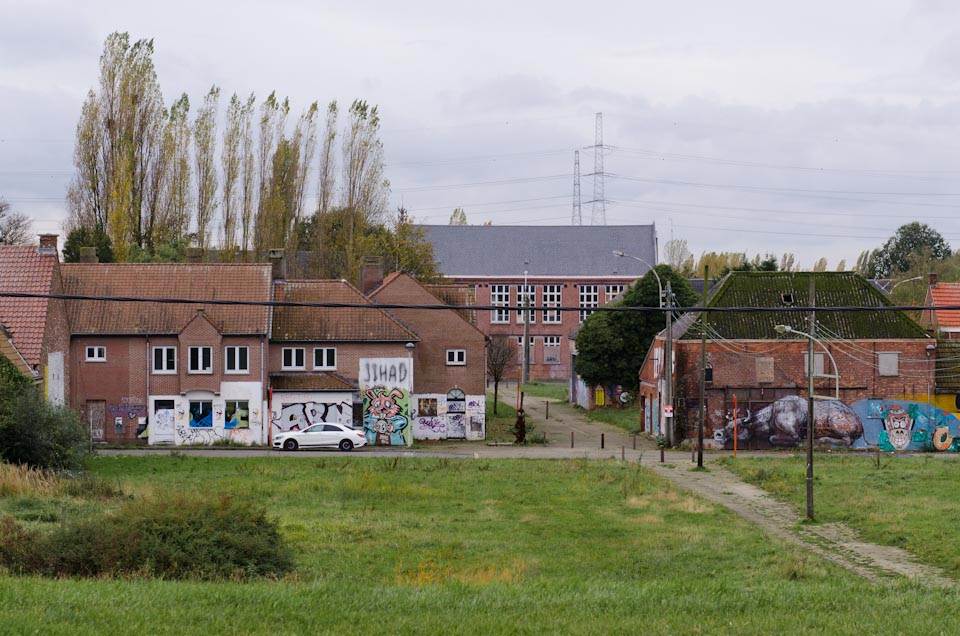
(906,280)
(620,254)
(811,419)
(525,376)
(665,430)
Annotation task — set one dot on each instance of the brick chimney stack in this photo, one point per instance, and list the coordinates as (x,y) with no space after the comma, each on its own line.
(278,263)
(933,279)
(48,244)
(371,274)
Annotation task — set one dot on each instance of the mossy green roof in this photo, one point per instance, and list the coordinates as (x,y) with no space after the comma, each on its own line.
(792,289)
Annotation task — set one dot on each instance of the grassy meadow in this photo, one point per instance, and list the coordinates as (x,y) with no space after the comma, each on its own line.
(466,546)
(908,501)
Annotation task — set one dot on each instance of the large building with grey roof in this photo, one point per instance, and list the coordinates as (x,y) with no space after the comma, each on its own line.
(568,271)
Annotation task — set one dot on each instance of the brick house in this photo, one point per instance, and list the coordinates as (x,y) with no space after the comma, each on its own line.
(170,373)
(570,267)
(315,352)
(36,331)
(449,382)
(943,323)
(877,366)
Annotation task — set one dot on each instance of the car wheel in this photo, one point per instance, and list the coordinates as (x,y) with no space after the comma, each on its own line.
(346,445)
(290,445)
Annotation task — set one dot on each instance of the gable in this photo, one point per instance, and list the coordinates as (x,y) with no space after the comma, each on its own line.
(24,270)
(403,289)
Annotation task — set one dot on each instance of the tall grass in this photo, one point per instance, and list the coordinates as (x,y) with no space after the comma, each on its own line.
(18,479)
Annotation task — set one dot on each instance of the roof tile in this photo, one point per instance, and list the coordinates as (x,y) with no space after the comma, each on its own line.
(946,295)
(24,270)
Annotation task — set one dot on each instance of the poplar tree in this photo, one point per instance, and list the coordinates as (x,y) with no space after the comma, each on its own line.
(205,144)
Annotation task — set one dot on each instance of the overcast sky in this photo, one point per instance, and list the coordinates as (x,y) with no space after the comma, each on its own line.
(816,128)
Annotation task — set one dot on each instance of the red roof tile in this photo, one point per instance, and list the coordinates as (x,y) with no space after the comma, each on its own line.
(332,323)
(946,294)
(249,282)
(24,270)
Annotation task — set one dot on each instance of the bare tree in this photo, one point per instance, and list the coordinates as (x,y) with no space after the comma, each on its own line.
(14,226)
(364,187)
(501,353)
(205,144)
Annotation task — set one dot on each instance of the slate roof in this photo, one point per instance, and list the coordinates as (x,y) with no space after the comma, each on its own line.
(833,289)
(311,382)
(24,270)
(250,282)
(946,294)
(551,250)
(339,324)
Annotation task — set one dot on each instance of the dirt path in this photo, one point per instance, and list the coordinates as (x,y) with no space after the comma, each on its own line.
(832,541)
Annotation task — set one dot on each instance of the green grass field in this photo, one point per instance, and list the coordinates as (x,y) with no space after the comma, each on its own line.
(626,418)
(908,501)
(440,546)
(555,390)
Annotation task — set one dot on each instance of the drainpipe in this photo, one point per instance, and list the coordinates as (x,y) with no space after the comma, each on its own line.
(148,390)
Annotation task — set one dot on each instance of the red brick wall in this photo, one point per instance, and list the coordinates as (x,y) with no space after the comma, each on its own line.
(120,381)
(56,335)
(569,320)
(348,355)
(735,367)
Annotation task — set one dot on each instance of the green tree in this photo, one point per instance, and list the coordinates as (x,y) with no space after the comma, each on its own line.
(912,242)
(84,236)
(459,217)
(611,345)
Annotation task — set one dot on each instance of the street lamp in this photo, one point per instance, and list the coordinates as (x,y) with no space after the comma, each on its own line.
(811,417)
(784,329)
(906,280)
(525,375)
(620,254)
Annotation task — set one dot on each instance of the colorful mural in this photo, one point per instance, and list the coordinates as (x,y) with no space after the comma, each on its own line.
(873,423)
(385,385)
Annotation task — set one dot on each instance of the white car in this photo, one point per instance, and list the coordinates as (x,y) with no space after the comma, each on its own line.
(321,435)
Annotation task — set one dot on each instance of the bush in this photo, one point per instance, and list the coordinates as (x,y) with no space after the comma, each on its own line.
(39,434)
(176,538)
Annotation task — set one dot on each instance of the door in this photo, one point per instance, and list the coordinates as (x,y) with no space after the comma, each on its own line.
(96,413)
(456,414)
(163,415)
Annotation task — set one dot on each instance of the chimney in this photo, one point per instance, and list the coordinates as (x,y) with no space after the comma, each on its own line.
(371,274)
(194,255)
(48,244)
(88,255)
(933,279)
(278,264)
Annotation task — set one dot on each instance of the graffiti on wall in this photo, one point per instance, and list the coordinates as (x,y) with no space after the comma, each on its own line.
(299,415)
(873,423)
(385,386)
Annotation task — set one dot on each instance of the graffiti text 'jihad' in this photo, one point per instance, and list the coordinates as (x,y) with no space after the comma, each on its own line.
(386,374)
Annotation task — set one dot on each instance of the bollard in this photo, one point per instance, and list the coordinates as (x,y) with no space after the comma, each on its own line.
(547,415)
(661,454)
(623,453)
(634,442)
(601,440)
(571,439)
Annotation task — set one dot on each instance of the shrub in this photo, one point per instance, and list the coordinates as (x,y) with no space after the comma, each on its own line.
(174,538)
(39,434)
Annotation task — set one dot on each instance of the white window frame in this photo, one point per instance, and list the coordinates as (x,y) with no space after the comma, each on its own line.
(456,357)
(96,353)
(888,364)
(552,297)
(500,297)
(613,291)
(164,369)
(291,364)
(201,370)
(589,298)
(237,370)
(326,364)
(526,298)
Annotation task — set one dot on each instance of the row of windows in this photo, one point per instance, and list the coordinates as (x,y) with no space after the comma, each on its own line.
(237,359)
(500,296)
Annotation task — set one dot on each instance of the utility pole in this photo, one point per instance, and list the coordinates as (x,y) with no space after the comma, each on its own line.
(526,328)
(577,212)
(668,370)
(703,368)
(811,419)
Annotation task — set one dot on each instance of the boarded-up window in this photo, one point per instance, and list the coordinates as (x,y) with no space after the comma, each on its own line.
(888,364)
(765,369)
(818,361)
